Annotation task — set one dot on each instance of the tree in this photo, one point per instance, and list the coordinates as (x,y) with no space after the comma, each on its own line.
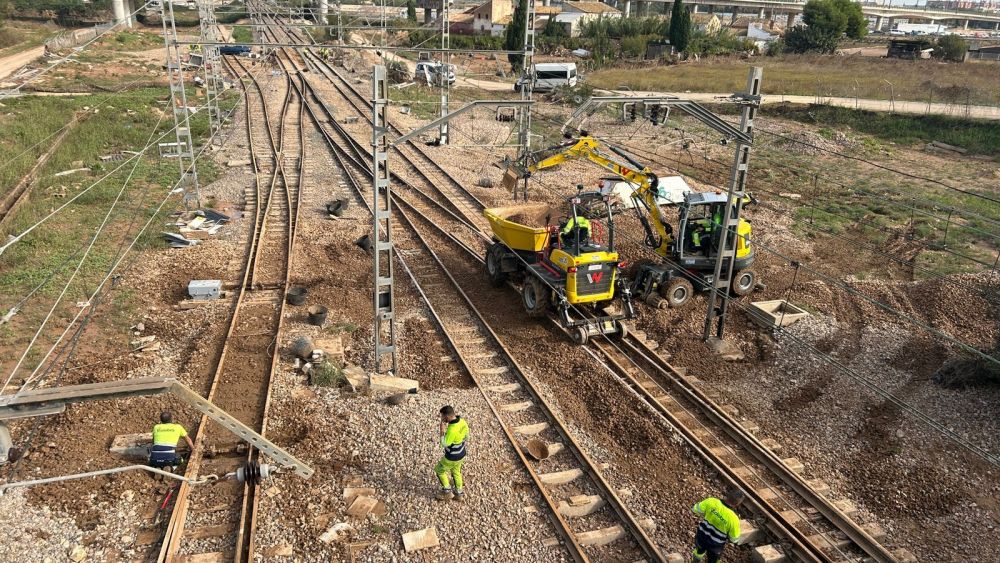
(679,33)
(825,16)
(857,24)
(951,48)
(411,10)
(808,39)
(514,37)
(826,22)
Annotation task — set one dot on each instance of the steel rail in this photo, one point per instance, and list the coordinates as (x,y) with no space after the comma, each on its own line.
(247,521)
(639,350)
(777,524)
(633,527)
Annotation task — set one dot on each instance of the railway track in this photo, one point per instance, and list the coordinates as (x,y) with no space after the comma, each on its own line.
(216,522)
(593,522)
(807,525)
(17,195)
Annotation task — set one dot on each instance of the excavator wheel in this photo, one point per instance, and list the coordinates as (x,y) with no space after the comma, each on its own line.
(580,335)
(536,297)
(496,275)
(743,282)
(677,292)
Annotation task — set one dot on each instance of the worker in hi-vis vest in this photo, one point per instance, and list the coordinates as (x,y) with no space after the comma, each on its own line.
(166,435)
(454,433)
(719,525)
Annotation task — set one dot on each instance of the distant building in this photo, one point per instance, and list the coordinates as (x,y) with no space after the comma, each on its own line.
(991,53)
(492,17)
(707,23)
(575,14)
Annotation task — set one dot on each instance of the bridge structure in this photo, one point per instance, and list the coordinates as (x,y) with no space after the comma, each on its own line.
(884,15)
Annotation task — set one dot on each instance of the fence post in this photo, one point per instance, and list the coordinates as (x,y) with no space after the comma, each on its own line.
(944,242)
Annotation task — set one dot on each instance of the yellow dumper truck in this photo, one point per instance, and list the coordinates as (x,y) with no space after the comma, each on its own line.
(569,266)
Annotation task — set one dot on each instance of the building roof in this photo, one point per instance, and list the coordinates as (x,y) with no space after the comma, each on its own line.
(701,17)
(461,17)
(547,10)
(590,7)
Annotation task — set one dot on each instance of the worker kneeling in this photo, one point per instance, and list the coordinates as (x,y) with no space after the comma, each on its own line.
(720,524)
(454,431)
(166,435)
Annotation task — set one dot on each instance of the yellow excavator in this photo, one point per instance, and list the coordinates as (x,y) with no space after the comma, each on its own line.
(689,252)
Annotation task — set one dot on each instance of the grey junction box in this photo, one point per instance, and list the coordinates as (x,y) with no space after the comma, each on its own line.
(203,290)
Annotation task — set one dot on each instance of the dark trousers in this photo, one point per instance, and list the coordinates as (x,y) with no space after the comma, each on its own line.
(706,550)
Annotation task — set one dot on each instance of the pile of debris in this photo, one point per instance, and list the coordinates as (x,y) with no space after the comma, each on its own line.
(194,227)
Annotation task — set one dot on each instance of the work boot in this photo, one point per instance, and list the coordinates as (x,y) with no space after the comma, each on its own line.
(445,494)
(459,495)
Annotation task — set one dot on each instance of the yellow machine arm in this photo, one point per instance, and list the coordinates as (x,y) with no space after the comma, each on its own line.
(589,148)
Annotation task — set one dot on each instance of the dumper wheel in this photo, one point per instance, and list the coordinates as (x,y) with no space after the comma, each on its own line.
(536,297)
(743,282)
(580,335)
(677,292)
(494,271)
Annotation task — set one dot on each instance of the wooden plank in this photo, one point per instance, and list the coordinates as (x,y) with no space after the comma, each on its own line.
(208,531)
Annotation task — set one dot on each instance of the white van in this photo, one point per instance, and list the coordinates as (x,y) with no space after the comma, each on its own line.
(549,76)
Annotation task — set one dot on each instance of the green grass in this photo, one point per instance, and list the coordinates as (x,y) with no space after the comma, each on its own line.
(816,75)
(131,41)
(424,102)
(18,36)
(125,125)
(242,34)
(978,136)
(326,374)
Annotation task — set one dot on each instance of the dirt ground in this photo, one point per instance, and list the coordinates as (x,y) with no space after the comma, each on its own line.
(807,387)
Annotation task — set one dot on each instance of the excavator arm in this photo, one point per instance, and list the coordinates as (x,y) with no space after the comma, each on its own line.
(658,231)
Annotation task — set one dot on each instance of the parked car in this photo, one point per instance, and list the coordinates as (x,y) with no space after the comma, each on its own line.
(431,71)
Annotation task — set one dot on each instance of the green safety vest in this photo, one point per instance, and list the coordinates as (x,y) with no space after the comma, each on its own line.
(168,434)
(454,439)
(719,523)
(581,222)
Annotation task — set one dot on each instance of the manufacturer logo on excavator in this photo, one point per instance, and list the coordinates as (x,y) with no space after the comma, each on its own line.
(595,278)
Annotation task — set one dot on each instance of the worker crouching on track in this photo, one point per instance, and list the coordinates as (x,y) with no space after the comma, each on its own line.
(166,435)
(454,432)
(719,525)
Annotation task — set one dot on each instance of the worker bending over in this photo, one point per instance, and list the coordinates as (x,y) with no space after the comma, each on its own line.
(165,438)
(454,432)
(720,524)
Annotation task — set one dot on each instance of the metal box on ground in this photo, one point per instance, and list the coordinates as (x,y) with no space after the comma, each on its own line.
(771,314)
(204,290)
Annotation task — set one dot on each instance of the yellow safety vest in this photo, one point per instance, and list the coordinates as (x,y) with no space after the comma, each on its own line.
(168,434)
(719,521)
(454,439)
(578,221)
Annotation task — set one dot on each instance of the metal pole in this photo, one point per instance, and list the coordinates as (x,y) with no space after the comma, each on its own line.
(445,75)
(382,251)
(524,122)
(731,215)
(182,118)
